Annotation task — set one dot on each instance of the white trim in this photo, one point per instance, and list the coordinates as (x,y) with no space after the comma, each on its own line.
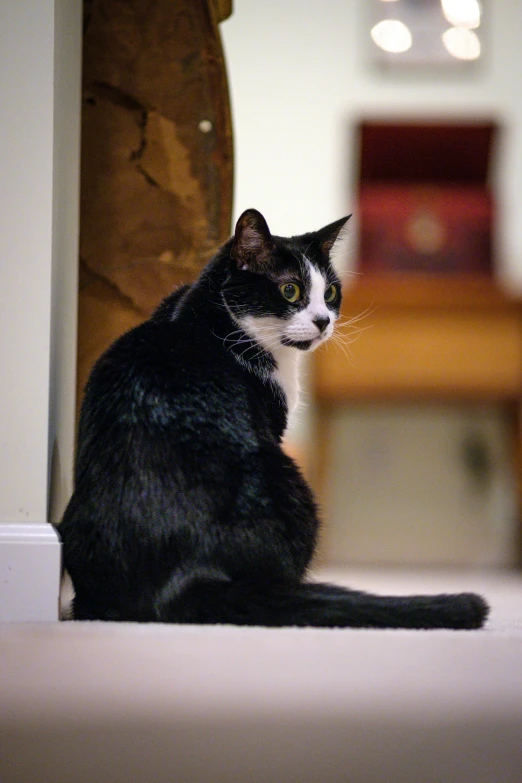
(38,275)
(30,556)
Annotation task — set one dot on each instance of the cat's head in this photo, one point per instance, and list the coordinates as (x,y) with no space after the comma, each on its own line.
(283,291)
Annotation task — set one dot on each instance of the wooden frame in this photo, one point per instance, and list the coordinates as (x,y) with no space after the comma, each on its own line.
(426,339)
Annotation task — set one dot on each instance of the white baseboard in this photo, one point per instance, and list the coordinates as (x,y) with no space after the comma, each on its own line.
(30,555)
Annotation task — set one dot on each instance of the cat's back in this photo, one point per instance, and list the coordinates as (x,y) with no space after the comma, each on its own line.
(166,378)
(158,353)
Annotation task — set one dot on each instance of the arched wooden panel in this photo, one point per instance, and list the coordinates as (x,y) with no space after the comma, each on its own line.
(156,181)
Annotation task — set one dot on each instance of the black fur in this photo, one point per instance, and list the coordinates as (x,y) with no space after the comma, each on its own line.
(185,507)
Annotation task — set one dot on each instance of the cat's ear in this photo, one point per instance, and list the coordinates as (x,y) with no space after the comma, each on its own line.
(327,237)
(253,245)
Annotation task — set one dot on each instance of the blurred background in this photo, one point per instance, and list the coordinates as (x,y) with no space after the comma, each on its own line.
(408,114)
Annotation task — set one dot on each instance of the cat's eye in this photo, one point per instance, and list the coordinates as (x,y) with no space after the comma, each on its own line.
(291,292)
(331,294)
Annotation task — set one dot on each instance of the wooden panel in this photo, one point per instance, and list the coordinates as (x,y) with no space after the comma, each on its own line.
(156,181)
(443,353)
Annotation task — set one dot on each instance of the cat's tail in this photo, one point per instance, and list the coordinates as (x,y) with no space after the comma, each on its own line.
(211,601)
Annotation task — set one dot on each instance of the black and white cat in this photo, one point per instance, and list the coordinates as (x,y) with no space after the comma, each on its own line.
(186,509)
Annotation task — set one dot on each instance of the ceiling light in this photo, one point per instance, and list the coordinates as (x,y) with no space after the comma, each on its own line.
(392,36)
(462,13)
(462,43)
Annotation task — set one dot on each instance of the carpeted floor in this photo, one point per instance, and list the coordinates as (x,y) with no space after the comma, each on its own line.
(111,703)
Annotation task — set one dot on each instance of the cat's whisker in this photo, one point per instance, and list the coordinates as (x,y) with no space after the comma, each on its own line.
(301,261)
(349,330)
(230,338)
(354,319)
(345,348)
(245,340)
(343,338)
(269,345)
(308,248)
(351,339)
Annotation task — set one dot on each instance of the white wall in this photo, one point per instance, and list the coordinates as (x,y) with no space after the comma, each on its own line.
(64,307)
(39,96)
(40,57)
(299,81)
(26,141)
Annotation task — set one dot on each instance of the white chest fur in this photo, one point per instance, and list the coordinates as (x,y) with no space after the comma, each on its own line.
(287,374)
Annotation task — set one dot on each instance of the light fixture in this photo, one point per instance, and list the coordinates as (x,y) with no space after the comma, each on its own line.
(462,13)
(462,43)
(392,36)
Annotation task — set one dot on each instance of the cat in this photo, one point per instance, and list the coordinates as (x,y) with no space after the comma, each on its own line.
(186,509)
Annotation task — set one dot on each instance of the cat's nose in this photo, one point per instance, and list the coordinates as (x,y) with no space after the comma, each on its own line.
(321,323)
